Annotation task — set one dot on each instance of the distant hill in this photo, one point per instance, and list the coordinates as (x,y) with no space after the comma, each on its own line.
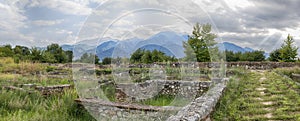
(167,41)
(233,47)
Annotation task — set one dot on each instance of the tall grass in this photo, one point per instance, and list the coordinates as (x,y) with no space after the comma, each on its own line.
(20,106)
(7,65)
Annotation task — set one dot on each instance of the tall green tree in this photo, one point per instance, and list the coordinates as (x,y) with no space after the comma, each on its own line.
(136,56)
(36,54)
(48,57)
(57,52)
(288,52)
(231,56)
(190,54)
(69,55)
(146,58)
(201,44)
(275,56)
(253,56)
(21,53)
(107,61)
(6,51)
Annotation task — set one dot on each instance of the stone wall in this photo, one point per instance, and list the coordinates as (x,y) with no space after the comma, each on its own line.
(202,107)
(248,65)
(107,111)
(261,65)
(296,77)
(150,88)
(48,90)
(44,90)
(198,109)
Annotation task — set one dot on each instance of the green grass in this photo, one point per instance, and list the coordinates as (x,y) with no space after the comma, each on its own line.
(160,100)
(240,101)
(20,106)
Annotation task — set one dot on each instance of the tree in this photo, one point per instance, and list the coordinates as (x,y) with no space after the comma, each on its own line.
(106,61)
(6,51)
(275,56)
(202,43)
(231,56)
(146,58)
(36,54)
(57,52)
(288,52)
(48,57)
(89,58)
(258,55)
(21,53)
(136,56)
(189,52)
(69,55)
(252,56)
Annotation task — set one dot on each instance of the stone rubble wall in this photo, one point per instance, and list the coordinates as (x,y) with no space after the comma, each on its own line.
(44,90)
(201,107)
(49,90)
(130,92)
(107,111)
(247,65)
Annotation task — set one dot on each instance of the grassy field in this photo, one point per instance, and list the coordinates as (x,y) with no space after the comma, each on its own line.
(22,106)
(250,95)
(16,105)
(19,106)
(260,96)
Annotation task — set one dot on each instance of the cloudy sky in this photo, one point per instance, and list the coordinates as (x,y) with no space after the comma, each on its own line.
(259,24)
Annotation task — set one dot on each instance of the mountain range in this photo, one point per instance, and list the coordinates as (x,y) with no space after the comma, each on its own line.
(168,42)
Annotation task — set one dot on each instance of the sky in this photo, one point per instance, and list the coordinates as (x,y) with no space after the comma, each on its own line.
(258,24)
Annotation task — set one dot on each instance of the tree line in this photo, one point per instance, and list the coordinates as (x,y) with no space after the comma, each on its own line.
(286,53)
(201,47)
(52,54)
(147,56)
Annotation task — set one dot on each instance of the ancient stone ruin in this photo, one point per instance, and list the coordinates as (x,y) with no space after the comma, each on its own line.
(125,109)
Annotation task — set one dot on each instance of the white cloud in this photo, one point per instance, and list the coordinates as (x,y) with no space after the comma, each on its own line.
(64,6)
(47,22)
(11,21)
(245,22)
(63,31)
(100,12)
(11,18)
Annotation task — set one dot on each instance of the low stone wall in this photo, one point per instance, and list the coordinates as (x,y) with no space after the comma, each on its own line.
(261,65)
(296,77)
(44,90)
(107,111)
(48,90)
(198,109)
(148,89)
(201,107)
(247,65)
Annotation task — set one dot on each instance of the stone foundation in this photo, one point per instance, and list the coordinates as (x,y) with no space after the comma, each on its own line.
(202,107)
(106,111)
(198,109)
(148,89)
